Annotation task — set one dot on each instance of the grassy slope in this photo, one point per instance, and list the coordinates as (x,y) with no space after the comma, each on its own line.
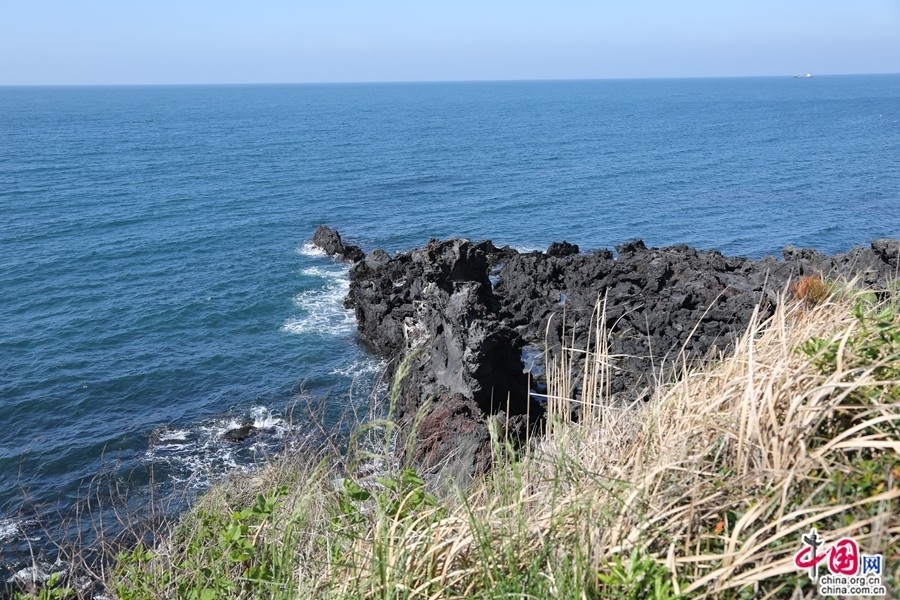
(702,491)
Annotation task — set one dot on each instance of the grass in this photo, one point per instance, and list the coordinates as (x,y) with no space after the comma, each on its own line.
(702,491)
(810,289)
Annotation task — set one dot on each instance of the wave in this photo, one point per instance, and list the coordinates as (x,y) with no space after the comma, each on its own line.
(359,367)
(528,249)
(9,530)
(199,455)
(263,418)
(15,529)
(323,309)
(308,249)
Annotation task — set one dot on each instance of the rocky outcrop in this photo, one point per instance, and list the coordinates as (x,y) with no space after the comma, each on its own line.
(240,434)
(888,251)
(460,313)
(453,438)
(437,305)
(329,240)
(660,302)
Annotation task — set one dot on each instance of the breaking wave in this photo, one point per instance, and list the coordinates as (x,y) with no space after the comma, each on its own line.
(322,308)
(201,454)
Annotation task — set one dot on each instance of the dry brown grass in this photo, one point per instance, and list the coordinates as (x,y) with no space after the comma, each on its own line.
(747,437)
(710,484)
(716,477)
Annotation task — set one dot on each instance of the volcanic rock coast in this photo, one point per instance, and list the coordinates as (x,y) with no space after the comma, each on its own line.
(460,313)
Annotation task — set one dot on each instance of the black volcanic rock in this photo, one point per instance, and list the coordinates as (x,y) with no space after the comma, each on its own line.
(657,302)
(562,249)
(662,300)
(437,302)
(437,308)
(240,434)
(453,438)
(888,251)
(329,240)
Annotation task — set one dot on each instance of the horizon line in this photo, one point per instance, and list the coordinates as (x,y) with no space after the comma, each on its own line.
(433,81)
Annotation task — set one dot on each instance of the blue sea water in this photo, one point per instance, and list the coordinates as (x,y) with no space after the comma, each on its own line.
(157,283)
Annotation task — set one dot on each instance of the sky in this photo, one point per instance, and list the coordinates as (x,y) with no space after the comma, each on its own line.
(277,41)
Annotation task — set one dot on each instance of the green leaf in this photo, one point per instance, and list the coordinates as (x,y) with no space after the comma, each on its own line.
(410,478)
(355,492)
(260,574)
(387,482)
(240,555)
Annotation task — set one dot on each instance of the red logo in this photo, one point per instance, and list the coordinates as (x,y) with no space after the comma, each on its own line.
(843,556)
(844,559)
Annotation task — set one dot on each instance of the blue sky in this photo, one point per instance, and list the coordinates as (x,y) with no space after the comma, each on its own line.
(273,41)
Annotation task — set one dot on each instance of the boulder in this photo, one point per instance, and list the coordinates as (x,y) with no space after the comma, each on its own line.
(329,240)
(437,304)
(435,308)
(562,249)
(453,439)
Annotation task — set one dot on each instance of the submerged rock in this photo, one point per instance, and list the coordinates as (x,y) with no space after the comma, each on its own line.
(240,434)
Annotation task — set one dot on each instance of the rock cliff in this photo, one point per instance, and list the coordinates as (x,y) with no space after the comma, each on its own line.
(462,311)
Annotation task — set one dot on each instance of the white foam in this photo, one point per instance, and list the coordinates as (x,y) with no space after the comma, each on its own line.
(9,530)
(40,571)
(323,308)
(198,456)
(13,529)
(356,368)
(174,435)
(264,419)
(308,249)
(336,275)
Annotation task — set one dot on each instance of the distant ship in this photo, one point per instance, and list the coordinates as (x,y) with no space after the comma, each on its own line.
(807,76)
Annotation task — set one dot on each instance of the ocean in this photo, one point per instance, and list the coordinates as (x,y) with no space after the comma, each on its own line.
(158,286)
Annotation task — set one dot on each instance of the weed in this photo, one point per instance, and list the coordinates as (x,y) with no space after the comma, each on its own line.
(810,290)
(52,589)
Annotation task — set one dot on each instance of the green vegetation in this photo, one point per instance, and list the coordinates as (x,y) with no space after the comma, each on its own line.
(702,491)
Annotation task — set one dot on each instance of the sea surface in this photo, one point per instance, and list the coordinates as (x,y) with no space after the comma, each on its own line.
(157,286)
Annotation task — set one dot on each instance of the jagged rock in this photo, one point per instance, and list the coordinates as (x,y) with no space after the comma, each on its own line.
(453,432)
(888,251)
(629,248)
(453,438)
(329,240)
(437,308)
(660,301)
(562,249)
(438,302)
